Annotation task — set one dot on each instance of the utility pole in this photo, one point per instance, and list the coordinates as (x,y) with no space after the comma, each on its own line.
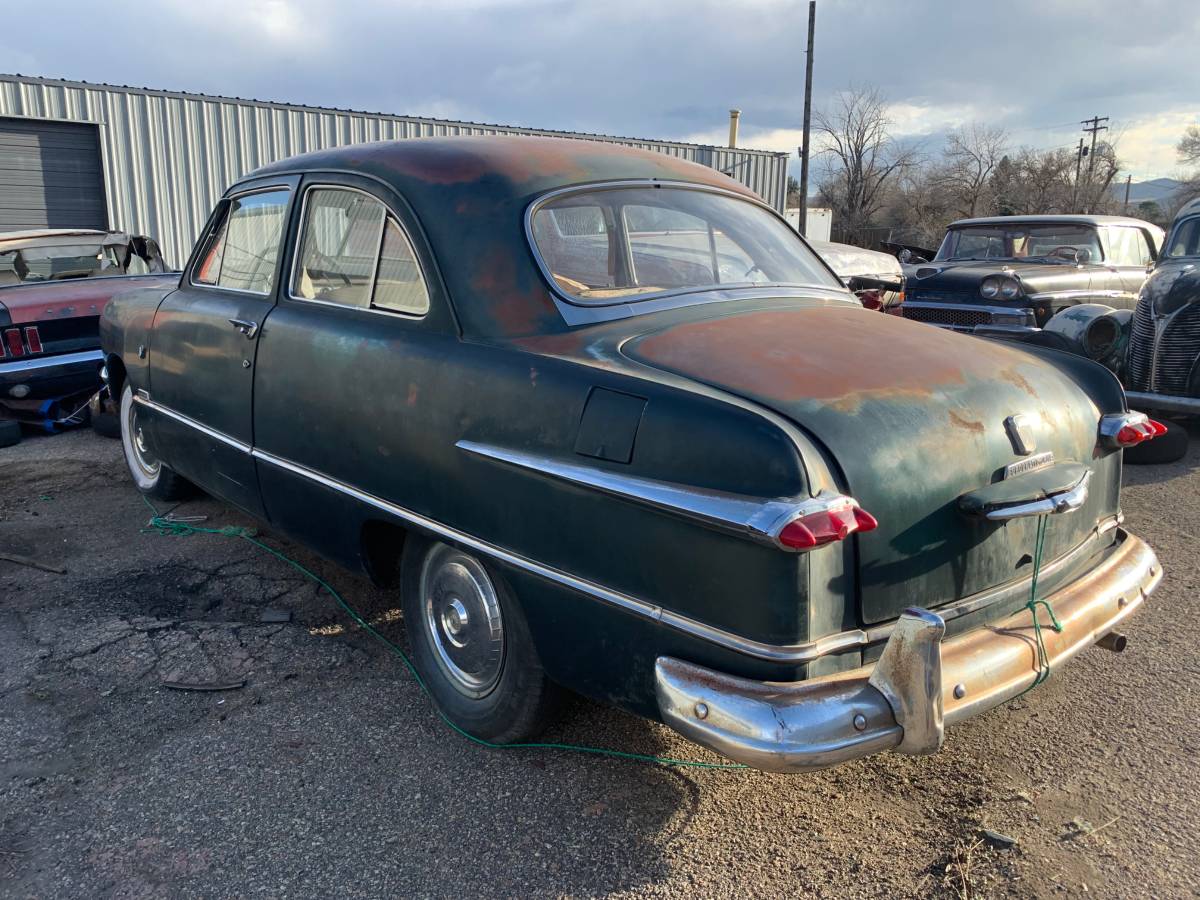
(1078,165)
(1093,125)
(1128,183)
(808,67)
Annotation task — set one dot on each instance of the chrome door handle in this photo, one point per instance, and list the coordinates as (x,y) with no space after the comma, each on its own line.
(246,327)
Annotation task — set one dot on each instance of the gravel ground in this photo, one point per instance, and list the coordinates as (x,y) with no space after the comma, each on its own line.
(328,775)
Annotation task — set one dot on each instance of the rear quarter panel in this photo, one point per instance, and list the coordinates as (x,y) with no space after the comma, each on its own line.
(125,335)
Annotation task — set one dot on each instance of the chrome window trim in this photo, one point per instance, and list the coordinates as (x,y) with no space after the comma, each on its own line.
(8,366)
(388,213)
(636,299)
(792,654)
(282,235)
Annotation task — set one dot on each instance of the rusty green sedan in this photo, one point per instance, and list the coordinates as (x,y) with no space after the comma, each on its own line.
(608,424)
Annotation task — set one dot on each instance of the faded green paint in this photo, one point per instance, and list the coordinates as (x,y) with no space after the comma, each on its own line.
(764,397)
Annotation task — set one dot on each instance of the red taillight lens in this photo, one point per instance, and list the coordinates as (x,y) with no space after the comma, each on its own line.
(33,339)
(826,526)
(12,339)
(871,299)
(1143,431)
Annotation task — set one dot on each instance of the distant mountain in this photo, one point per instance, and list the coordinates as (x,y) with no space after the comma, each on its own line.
(1159,190)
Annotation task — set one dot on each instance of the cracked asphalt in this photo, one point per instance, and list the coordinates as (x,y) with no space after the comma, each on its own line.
(326,774)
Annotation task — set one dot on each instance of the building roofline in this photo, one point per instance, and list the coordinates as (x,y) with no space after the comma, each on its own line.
(298,107)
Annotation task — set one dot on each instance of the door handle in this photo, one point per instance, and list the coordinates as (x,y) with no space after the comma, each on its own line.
(246,327)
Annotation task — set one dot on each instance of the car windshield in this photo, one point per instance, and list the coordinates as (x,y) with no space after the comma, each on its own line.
(620,244)
(1070,243)
(59,262)
(1185,239)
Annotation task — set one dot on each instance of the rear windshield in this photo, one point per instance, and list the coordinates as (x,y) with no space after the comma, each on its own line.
(1073,243)
(620,244)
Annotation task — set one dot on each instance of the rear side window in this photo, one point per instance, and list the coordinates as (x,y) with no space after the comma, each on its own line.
(244,248)
(353,253)
(1185,238)
(1128,247)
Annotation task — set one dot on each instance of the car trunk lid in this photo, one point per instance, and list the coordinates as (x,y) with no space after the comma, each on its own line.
(914,417)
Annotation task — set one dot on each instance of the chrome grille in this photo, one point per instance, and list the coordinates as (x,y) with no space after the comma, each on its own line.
(1178,349)
(933,296)
(1141,349)
(947,316)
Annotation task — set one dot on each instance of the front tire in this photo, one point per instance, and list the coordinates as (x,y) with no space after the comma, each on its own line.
(471,644)
(149,473)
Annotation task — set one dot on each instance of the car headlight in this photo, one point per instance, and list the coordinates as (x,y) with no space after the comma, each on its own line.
(990,287)
(1010,289)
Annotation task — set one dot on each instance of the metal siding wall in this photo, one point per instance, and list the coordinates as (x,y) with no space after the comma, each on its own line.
(169,157)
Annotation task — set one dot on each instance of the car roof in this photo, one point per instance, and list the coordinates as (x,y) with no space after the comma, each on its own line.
(1188,209)
(469,196)
(1054,220)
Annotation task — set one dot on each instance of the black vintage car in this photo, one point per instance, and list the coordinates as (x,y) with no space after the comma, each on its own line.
(609,423)
(1013,273)
(1162,369)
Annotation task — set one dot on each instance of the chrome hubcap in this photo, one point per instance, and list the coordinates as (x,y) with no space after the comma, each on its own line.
(143,458)
(462,617)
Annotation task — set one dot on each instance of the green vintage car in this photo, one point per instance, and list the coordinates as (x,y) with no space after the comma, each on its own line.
(608,423)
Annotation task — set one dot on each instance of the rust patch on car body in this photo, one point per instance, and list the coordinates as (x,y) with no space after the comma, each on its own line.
(967,424)
(840,356)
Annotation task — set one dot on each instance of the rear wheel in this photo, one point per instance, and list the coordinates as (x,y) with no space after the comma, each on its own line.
(10,432)
(471,644)
(149,473)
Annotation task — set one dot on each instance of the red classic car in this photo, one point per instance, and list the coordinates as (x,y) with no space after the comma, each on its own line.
(54,284)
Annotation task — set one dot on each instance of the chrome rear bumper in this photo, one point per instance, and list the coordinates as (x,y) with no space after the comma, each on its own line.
(920,684)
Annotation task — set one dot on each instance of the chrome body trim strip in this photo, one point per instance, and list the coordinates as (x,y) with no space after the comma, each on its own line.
(758,518)
(1082,294)
(143,399)
(34,364)
(791,654)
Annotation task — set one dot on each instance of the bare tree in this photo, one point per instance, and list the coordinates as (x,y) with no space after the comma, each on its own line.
(969,159)
(1095,194)
(861,156)
(1188,147)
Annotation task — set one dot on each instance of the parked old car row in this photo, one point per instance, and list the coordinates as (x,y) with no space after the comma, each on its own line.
(611,425)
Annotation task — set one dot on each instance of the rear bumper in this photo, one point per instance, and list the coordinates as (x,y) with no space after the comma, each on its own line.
(1163,402)
(58,375)
(919,685)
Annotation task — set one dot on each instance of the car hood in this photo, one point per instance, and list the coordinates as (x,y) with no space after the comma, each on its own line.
(966,275)
(914,418)
(50,300)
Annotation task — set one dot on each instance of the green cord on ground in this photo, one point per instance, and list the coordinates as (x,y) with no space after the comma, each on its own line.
(168,527)
(1043,657)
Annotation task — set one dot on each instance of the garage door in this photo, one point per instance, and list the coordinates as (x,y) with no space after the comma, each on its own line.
(50,175)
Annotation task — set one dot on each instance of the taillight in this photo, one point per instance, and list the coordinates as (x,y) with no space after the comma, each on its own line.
(12,339)
(33,340)
(1127,429)
(871,299)
(835,520)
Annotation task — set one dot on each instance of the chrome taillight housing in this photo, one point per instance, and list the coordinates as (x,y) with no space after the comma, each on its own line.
(825,519)
(1120,430)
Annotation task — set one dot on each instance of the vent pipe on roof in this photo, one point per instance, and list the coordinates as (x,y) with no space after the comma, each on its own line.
(734,115)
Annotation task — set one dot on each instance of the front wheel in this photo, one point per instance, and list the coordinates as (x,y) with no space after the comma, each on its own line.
(471,644)
(147,470)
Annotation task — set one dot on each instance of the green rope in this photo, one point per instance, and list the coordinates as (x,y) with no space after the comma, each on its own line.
(1043,656)
(168,527)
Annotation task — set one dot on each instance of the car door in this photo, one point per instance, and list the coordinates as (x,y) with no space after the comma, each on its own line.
(205,339)
(352,366)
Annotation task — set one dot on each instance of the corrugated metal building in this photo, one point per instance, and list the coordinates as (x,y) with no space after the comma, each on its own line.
(74,154)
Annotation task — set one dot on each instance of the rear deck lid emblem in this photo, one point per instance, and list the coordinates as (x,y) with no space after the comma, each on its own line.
(1020,434)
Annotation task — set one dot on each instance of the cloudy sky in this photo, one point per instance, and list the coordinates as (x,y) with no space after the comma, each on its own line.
(658,68)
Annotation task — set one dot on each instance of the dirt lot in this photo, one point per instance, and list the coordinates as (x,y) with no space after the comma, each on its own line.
(327,774)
